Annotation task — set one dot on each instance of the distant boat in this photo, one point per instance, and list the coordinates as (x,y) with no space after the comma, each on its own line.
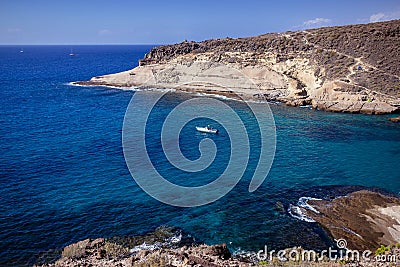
(72,53)
(207,129)
(21,51)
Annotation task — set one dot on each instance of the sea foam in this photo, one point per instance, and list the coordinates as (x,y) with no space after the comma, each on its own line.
(296,210)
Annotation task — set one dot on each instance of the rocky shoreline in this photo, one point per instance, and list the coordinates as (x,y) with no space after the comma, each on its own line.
(340,69)
(166,246)
(366,220)
(96,252)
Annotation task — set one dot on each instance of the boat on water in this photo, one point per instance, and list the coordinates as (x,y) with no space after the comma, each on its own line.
(207,129)
(71,54)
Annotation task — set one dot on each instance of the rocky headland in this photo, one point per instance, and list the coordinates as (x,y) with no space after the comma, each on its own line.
(351,68)
(365,219)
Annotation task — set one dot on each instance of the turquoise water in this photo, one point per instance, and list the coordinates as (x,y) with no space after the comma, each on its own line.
(63,175)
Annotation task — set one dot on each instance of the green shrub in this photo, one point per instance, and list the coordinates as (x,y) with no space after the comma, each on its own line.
(382,250)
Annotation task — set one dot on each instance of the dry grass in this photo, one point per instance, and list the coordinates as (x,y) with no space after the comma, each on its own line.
(115,251)
(153,260)
(74,251)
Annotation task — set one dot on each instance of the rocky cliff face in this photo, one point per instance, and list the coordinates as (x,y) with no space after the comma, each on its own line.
(350,68)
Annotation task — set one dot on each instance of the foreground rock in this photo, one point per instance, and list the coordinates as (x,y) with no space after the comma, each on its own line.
(365,219)
(99,252)
(342,69)
(166,246)
(102,252)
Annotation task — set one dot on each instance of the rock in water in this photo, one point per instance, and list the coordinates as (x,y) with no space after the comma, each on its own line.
(396,119)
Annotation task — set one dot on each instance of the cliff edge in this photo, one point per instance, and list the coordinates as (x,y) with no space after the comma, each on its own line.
(351,68)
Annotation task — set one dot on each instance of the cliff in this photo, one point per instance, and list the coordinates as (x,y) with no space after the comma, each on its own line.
(351,68)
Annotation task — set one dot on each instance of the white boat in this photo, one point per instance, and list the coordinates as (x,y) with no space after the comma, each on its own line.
(72,53)
(207,129)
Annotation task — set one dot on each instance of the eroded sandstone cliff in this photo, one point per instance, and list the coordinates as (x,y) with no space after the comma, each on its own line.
(349,68)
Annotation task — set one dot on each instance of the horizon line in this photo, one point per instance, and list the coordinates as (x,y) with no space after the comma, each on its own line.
(83,44)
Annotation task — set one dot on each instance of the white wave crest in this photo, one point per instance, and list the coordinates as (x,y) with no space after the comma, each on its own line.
(145,246)
(171,240)
(296,213)
(303,202)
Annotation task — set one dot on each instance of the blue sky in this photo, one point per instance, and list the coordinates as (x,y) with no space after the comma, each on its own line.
(162,22)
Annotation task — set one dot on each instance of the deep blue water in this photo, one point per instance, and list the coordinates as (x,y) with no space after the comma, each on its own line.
(63,176)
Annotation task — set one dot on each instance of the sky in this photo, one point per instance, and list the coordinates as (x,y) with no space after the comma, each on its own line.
(169,21)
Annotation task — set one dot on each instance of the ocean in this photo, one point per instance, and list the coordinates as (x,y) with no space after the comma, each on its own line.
(63,176)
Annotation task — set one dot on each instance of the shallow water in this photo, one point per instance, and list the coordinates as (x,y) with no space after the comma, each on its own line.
(63,176)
